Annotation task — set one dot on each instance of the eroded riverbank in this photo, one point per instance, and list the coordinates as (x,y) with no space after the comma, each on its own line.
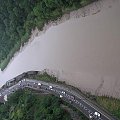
(83,51)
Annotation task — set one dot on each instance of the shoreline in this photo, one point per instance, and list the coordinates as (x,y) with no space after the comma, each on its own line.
(45,77)
(66,74)
(90,9)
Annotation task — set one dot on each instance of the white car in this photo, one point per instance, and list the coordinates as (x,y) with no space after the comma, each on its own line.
(61,96)
(97,114)
(20,82)
(50,87)
(63,92)
(24,79)
(70,101)
(90,116)
(39,84)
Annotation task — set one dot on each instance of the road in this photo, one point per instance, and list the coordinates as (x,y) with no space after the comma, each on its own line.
(86,107)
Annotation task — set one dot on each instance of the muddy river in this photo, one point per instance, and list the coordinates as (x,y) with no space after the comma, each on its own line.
(83,50)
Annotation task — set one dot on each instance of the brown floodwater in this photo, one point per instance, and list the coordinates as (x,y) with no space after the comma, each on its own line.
(83,51)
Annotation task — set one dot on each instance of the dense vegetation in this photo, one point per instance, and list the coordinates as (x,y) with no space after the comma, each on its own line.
(110,104)
(19,17)
(44,77)
(23,105)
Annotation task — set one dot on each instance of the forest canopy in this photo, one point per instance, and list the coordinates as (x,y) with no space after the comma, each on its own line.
(19,17)
(24,105)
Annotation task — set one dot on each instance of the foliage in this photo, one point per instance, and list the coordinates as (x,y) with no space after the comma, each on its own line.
(19,17)
(85,2)
(23,105)
(81,115)
(44,77)
(111,104)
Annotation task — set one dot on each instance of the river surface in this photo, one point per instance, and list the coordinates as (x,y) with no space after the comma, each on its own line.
(84,52)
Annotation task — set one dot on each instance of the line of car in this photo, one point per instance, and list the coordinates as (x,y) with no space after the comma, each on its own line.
(62,94)
(72,99)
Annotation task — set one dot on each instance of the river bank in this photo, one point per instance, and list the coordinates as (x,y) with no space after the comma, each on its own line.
(41,19)
(76,50)
(90,9)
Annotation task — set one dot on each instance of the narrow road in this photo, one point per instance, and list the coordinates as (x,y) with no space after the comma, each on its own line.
(88,109)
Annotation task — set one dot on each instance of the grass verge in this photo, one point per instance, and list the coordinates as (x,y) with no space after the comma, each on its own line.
(39,23)
(110,104)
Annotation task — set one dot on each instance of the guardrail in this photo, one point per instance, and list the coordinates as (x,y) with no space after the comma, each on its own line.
(79,102)
(16,81)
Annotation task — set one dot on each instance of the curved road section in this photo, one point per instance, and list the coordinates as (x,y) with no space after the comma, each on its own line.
(86,107)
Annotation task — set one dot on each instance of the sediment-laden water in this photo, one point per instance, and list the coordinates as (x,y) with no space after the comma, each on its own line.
(84,51)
